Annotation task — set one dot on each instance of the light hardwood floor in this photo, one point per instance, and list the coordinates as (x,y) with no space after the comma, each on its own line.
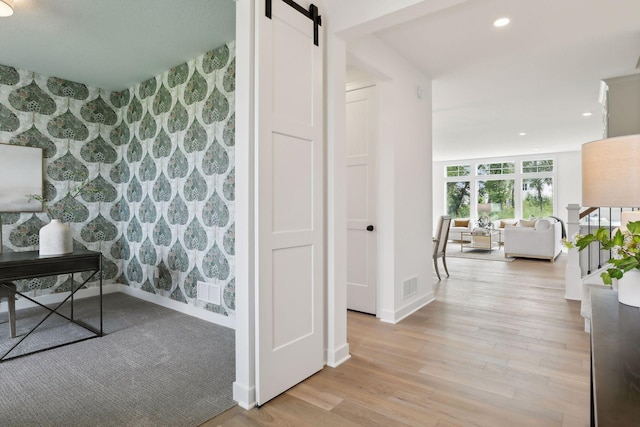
(500,346)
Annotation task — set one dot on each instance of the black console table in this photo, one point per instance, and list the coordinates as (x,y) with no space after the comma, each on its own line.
(28,265)
(615,361)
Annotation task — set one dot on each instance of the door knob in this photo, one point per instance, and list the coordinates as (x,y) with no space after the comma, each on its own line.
(369,227)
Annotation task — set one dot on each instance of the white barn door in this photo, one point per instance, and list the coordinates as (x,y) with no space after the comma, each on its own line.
(289,193)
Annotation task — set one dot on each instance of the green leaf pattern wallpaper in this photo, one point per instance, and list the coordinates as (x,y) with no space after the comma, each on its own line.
(159,161)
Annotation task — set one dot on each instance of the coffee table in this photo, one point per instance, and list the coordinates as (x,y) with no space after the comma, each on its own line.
(486,240)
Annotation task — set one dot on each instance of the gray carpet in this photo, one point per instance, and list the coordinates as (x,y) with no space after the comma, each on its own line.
(155,367)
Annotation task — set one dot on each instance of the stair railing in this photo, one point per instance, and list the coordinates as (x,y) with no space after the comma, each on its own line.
(581,264)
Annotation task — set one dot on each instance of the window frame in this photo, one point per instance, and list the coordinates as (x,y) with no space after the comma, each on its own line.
(518,176)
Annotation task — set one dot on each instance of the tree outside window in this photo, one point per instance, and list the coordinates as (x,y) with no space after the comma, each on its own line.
(458,170)
(458,199)
(537,166)
(500,193)
(496,183)
(496,168)
(537,197)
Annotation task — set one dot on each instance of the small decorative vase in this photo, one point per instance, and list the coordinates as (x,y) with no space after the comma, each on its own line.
(55,239)
(629,288)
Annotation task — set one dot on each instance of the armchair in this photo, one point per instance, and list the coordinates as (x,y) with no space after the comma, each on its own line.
(458,226)
(543,240)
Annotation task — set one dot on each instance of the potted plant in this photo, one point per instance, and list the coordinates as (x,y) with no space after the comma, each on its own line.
(625,258)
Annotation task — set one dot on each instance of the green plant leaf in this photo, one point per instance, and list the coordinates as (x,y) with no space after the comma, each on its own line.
(602,234)
(625,264)
(585,241)
(618,238)
(634,227)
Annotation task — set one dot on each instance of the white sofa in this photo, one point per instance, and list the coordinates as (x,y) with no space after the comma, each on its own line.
(501,224)
(543,240)
(455,232)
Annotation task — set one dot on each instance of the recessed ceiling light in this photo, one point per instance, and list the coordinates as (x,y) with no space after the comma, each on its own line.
(522,133)
(587,114)
(501,22)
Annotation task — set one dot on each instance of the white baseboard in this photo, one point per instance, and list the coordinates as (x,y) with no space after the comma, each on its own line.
(190,310)
(338,356)
(407,310)
(245,396)
(200,313)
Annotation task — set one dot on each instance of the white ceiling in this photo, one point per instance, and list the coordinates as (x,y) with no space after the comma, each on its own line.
(112,44)
(537,75)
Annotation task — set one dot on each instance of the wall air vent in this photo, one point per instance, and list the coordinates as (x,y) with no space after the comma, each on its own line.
(409,287)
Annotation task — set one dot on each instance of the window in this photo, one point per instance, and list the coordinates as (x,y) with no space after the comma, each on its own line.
(496,168)
(536,166)
(500,193)
(500,188)
(537,197)
(459,199)
(458,170)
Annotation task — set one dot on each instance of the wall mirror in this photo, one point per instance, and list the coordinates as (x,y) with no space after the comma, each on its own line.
(20,174)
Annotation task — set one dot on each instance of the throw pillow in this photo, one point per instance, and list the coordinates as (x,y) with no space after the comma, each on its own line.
(503,224)
(460,222)
(527,223)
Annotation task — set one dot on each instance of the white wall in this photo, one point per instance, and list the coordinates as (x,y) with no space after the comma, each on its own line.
(567,188)
(244,386)
(411,122)
(353,19)
(337,349)
(623,105)
(404,183)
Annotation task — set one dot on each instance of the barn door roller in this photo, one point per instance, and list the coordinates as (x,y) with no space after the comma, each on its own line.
(312,14)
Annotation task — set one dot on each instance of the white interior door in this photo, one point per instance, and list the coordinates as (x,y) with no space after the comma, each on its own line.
(361,199)
(289,192)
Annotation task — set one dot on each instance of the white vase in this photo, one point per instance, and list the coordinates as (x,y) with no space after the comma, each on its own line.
(629,288)
(55,239)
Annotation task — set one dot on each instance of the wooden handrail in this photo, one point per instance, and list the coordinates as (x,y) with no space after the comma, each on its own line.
(587,212)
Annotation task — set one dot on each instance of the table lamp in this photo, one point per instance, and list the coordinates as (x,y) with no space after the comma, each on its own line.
(484,209)
(611,174)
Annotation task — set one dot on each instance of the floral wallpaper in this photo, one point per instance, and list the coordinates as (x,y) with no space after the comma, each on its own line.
(159,160)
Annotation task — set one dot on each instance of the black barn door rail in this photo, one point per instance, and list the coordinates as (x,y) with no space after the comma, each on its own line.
(312,14)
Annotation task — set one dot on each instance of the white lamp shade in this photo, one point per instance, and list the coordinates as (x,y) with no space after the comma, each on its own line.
(627,217)
(611,172)
(484,207)
(6,8)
